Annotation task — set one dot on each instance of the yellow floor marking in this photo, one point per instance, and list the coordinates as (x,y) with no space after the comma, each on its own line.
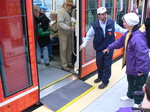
(79,105)
(55,81)
(75,99)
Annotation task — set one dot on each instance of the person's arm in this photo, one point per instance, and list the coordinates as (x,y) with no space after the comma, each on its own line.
(119,43)
(53,27)
(54,36)
(119,29)
(44,22)
(61,24)
(89,35)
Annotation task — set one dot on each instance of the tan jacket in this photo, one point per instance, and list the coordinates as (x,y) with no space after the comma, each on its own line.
(63,21)
(54,30)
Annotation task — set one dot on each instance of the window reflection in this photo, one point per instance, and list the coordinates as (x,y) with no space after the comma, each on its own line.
(91,17)
(121,9)
(14,54)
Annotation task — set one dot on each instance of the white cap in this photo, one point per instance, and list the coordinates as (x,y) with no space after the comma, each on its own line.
(131,19)
(101,10)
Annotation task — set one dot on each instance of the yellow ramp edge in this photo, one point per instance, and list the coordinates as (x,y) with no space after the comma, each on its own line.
(75,99)
(56,81)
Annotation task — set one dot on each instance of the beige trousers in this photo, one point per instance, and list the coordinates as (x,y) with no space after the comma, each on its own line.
(66,45)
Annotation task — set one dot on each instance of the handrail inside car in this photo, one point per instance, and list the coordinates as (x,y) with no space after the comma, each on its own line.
(121,5)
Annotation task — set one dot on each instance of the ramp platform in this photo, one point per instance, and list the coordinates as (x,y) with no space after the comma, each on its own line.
(65,96)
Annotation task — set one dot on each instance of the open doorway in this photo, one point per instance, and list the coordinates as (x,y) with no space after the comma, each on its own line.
(49,75)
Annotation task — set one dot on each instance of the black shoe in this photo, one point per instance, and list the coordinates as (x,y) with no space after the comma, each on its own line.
(97,80)
(38,62)
(51,57)
(47,64)
(102,86)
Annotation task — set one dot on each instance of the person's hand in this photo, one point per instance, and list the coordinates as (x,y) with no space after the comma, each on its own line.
(105,51)
(81,47)
(139,74)
(51,36)
(72,28)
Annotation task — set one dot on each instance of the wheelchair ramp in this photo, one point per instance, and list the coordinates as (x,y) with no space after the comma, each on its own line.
(65,96)
(51,75)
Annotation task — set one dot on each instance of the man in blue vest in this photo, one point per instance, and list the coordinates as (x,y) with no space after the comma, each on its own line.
(103,30)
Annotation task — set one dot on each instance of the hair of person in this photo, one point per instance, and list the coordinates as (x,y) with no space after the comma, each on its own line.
(148,88)
(53,13)
(36,8)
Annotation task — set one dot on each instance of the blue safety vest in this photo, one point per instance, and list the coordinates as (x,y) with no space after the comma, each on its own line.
(100,41)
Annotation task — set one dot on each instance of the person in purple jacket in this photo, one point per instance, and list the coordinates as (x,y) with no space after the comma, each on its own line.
(136,57)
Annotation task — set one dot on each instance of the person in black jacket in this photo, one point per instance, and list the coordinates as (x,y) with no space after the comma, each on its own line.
(43,41)
(147,24)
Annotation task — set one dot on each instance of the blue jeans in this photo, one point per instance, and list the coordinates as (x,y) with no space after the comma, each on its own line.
(53,41)
(45,53)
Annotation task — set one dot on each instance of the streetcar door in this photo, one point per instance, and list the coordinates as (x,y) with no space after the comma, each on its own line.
(18,73)
(86,16)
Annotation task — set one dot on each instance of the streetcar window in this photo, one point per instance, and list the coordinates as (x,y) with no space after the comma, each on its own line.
(14,52)
(109,4)
(148,9)
(91,17)
(121,9)
(60,2)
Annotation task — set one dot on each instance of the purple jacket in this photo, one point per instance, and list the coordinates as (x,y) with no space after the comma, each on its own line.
(137,57)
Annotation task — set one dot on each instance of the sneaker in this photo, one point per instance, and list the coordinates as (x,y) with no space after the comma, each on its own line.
(97,80)
(66,69)
(125,98)
(102,86)
(47,64)
(136,106)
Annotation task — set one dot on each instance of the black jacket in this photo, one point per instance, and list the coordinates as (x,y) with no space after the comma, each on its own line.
(44,21)
(147,24)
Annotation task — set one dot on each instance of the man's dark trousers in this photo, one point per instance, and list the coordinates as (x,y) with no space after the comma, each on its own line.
(104,61)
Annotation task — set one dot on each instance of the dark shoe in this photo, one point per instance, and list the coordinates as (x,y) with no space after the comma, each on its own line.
(47,64)
(97,80)
(51,57)
(102,86)
(66,69)
(38,62)
(71,66)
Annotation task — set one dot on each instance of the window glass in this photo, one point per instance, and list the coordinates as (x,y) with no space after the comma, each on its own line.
(46,6)
(59,4)
(121,9)
(14,55)
(91,17)
(148,9)
(109,4)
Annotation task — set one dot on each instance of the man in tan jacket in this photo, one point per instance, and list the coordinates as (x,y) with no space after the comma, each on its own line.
(65,35)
